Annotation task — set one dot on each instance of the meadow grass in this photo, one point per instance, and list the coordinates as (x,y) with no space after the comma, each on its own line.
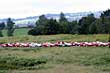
(55,59)
(54,38)
(20,35)
(18,32)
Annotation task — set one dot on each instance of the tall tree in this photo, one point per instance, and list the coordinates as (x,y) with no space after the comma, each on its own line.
(2,26)
(40,24)
(10,27)
(63,22)
(85,22)
(42,20)
(73,27)
(52,27)
(105,16)
(93,28)
(62,17)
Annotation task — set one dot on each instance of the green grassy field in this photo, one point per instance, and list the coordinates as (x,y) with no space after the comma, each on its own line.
(20,35)
(17,32)
(54,59)
(54,38)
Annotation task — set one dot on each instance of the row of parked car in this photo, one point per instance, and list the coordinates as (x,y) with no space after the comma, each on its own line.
(56,44)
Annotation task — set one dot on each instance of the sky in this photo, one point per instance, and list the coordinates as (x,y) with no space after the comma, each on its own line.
(26,8)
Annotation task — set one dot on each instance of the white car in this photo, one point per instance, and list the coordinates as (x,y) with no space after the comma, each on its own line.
(34,45)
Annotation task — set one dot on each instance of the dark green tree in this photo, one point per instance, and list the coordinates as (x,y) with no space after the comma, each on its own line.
(10,27)
(105,16)
(62,17)
(93,28)
(52,27)
(40,26)
(42,20)
(85,23)
(63,22)
(106,23)
(96,27)
(2,26)
(73,27)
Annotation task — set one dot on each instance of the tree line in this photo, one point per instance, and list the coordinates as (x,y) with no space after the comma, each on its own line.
(44,26)
(86,25)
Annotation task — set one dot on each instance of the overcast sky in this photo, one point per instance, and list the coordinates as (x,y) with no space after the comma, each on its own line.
(25,8)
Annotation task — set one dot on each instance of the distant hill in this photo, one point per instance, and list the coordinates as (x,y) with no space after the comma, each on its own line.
(24,22)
